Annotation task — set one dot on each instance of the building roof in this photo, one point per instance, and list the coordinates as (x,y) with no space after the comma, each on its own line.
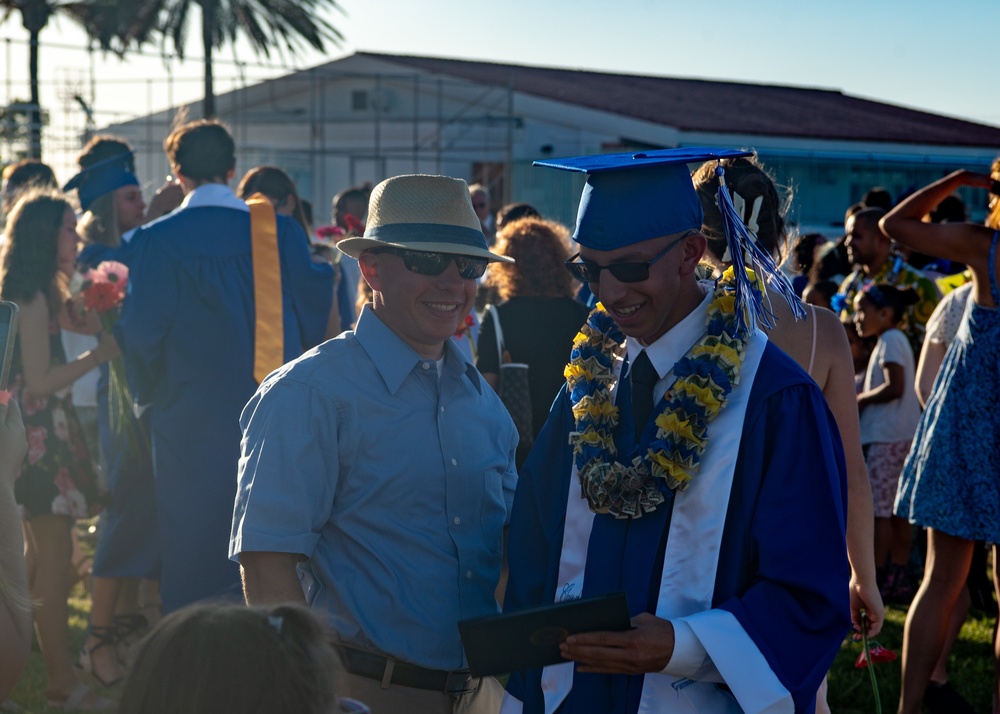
(698,105)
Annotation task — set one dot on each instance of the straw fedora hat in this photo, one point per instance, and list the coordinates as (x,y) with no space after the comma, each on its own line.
(427,213)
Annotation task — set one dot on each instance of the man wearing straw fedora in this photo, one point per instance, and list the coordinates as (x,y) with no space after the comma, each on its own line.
(377,471)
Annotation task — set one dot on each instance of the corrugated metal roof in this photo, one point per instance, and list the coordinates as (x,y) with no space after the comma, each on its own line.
(714,106)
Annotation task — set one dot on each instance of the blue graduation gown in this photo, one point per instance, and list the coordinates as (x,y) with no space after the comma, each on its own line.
(783,570)
(127,544)
(187,335)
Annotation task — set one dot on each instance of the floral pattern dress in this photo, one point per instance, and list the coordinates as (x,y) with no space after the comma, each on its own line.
(58,476)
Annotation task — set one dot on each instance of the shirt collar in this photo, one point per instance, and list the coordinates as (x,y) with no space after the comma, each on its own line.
(674,344)
(395,360)
(216,195)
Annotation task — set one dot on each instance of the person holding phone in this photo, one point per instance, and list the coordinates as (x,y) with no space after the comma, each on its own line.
(57,483)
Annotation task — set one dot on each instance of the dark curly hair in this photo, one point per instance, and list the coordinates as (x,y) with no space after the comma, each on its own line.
(29,262)
(539,247)
(746,177)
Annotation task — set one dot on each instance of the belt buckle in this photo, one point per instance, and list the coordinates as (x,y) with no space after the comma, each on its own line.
(459,683)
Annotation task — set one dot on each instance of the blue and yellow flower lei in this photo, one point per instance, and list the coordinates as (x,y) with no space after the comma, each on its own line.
(704,378)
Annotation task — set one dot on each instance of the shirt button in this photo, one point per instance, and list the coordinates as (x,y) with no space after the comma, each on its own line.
(458,521)
(425,366)
(454,462)
(468,574)
(442,409)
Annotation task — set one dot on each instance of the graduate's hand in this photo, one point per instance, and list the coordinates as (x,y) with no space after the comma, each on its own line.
(865,596)
(647,647)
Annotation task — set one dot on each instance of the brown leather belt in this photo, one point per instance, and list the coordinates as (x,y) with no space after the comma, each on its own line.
(389,671)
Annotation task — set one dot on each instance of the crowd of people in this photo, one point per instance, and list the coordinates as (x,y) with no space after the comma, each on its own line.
(316,449)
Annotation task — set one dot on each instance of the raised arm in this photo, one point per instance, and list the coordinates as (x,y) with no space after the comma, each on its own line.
(962,242)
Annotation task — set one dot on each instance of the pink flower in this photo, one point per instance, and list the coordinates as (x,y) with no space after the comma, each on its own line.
(36,442)
(104,287)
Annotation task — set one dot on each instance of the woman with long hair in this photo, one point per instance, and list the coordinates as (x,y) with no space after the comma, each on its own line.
(57,483)
(820,346)
(949,481)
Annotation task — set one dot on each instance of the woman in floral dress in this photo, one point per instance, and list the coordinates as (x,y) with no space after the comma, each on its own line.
(57,483)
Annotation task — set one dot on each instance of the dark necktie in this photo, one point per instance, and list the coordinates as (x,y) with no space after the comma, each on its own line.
(644,378)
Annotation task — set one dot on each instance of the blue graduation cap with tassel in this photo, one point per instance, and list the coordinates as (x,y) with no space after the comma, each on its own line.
(102,177)
(633,197)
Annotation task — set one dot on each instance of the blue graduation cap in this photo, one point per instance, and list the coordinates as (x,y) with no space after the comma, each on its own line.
(633,197)
(102,177)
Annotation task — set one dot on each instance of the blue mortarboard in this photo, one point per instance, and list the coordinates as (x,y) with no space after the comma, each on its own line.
(101,178)
(633,197)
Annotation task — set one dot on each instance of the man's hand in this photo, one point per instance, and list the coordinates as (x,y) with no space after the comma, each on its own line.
(647,647)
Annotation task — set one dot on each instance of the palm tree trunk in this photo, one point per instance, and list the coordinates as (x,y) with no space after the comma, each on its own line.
(35,115)
(207,31)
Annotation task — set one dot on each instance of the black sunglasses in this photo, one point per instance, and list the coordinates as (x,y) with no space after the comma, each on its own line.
(587,271)
(423,263)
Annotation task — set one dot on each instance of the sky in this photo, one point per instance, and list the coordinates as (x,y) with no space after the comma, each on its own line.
(935,56)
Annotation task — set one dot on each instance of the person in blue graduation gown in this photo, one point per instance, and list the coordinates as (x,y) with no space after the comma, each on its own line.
(737,586)
(187,335)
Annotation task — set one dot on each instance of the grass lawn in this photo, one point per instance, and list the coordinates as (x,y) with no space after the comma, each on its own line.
(850,692)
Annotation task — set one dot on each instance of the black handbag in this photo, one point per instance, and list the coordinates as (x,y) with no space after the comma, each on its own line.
(514,389)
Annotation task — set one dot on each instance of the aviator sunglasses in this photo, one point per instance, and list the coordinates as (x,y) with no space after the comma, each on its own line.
(423,263)
(587,271)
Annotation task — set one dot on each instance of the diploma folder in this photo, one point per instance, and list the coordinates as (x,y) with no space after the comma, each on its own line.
(526,639)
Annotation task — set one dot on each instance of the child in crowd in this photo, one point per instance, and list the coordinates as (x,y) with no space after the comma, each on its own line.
(861,352)
(889,416)
(230,659)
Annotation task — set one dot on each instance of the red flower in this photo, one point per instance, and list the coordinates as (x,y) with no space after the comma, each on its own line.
(878,653)
(104,287)
(354,225)
(466,324)
(100,297)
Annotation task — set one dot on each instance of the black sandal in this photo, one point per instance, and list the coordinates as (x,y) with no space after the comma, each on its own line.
(105,636)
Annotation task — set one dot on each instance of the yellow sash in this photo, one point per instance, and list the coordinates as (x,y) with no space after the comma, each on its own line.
(269,330)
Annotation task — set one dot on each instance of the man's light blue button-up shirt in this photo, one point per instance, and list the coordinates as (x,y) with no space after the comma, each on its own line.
(394,482)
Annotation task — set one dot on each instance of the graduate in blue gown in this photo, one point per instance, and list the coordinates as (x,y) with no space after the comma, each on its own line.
(737,583)
(187,334)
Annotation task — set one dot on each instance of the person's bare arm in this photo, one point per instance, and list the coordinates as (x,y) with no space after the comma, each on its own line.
(891,388)
(931,357)
(962,242)
(492,379)
(15,607)
(41,377)
(270,578)
(839,393)
(168,197)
